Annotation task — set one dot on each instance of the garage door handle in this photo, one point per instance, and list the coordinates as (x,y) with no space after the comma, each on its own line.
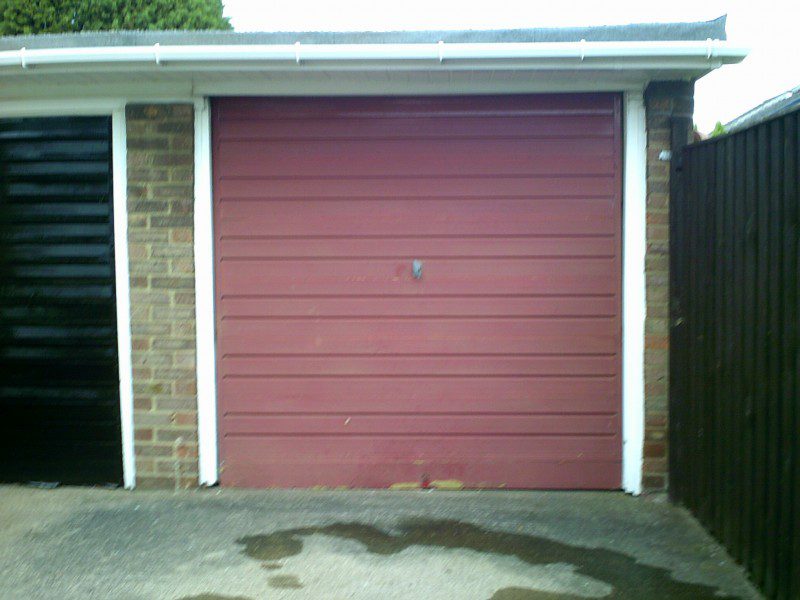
(416,268)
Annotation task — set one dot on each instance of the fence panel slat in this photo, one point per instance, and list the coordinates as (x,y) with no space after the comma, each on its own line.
(734,360)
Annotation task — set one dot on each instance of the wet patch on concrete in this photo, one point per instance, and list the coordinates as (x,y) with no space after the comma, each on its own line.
(515,593)
(286,582)
(629,579)
(273,547)
(214,597)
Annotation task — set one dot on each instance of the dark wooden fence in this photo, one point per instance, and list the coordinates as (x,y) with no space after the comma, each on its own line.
(734,407)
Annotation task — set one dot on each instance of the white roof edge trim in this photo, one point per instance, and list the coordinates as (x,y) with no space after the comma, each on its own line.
(711,51)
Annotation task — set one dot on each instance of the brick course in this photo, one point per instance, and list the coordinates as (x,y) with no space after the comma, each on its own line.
(669,107)
(160,221)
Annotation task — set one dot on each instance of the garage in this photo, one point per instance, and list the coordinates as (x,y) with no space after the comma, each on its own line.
(59,377)
(418,291)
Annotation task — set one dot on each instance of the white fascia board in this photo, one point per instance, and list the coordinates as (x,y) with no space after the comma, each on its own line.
(59,107)
(596,54)
(49,95)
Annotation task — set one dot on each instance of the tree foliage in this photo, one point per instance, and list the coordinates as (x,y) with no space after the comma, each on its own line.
(64,16)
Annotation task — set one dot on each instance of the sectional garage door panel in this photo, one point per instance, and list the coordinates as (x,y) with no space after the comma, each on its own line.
(59,377)
(498,367)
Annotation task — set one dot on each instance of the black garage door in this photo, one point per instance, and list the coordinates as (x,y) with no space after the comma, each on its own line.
(59,378)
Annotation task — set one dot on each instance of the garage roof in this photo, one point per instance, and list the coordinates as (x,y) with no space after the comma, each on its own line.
(177,64)
(639,32)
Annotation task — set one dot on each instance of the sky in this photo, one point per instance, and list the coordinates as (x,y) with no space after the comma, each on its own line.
(768,28)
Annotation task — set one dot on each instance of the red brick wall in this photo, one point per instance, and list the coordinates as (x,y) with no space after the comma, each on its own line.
(669,106)
(160,226)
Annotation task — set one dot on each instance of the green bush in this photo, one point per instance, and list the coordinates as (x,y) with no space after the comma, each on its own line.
(719,129)
(64,16)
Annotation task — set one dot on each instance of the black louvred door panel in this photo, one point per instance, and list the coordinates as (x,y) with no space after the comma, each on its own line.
(59,378)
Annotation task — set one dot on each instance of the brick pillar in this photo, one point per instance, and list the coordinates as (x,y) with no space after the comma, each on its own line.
(669,106)
(160,220)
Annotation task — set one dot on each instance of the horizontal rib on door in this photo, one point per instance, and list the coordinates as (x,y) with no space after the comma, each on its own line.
(250,219)
(499,367)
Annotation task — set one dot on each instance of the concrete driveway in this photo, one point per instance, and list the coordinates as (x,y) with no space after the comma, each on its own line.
(76,543)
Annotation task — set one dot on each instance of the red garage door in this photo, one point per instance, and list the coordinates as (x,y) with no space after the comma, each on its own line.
(496,364)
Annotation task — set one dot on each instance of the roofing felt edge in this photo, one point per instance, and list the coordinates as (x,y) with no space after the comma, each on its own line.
(777,106)
(636,32)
